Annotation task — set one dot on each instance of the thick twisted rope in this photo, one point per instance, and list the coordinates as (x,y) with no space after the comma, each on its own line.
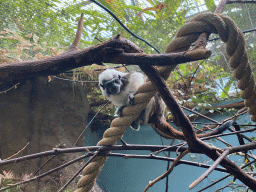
(188,34)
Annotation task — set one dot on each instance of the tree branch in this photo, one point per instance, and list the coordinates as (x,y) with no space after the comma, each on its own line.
(116,50)
(126,156)
(151,183)
(219,180)
(208,171)
(79,31)
(195,144)
(74,176)
(57,151)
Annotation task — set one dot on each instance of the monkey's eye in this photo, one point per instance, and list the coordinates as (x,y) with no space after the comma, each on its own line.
(117,81)
(119,77)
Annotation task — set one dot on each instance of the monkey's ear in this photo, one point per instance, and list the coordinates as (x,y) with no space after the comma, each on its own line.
(119,76)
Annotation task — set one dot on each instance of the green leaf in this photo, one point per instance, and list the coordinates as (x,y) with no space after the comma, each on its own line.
(210,5)
(226,89)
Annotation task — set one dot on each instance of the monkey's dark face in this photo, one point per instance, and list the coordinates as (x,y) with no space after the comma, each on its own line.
(114,85)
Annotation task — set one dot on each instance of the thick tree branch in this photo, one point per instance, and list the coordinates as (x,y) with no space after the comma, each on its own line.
(116,50)
(245,147)
(195,144)
(170,101)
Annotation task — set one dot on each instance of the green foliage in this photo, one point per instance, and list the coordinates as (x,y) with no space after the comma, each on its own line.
(210,5)
(55,23)
(226,88)
(46,19)
(166,22)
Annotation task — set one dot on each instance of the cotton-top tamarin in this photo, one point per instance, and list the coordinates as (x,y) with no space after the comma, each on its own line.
(120,88)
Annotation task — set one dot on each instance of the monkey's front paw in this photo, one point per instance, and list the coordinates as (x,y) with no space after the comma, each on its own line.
(119,111)
(131,99)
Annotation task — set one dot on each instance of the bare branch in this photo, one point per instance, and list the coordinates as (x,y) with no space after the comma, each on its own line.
(151,183)
(126,156)
(171,103)
(221,6)
(74,176)
(90,123)
(219,180)
(17,152)
(115,50)
(215,182)
(241,148)
(75,44)
(208,171)
(57,151)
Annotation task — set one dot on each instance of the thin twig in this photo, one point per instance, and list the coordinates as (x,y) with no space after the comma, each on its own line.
(74,80)
(177,150)
(125,68)
(47,161)
(56,151)
(168,148)
(168,165)
(226,134)
(17,152)
(167,177)
(208,171)
(228,185)
(123,142)
(219,180)
(191,79)
(151,183)
(90,123)
(14,86)
(206,138)
(71,179)
(244,125)
(215,182)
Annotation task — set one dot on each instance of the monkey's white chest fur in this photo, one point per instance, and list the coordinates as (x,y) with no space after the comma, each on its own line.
(121,99)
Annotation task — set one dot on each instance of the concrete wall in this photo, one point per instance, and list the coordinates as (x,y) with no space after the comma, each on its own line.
(46,115)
